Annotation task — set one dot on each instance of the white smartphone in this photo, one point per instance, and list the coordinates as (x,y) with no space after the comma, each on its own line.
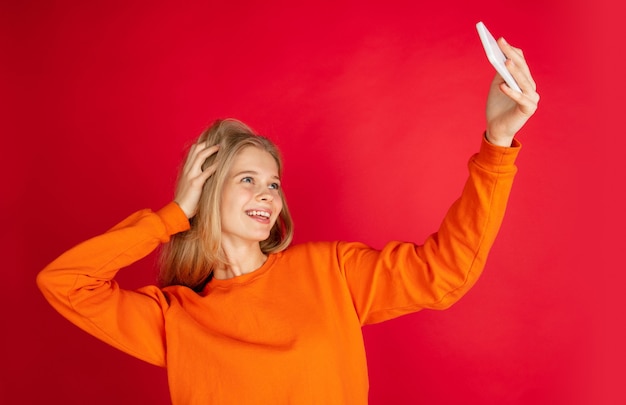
(495,55)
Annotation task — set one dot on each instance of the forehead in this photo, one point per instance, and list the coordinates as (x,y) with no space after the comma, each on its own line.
(254,159)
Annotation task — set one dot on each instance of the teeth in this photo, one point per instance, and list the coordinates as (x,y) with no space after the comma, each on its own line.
(258,213)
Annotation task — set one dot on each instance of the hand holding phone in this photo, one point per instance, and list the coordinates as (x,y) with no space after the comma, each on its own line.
(495,55)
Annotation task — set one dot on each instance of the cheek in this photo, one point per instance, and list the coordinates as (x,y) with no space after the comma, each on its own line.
(278,202)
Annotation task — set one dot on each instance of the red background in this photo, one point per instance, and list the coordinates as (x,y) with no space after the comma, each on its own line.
(377,108)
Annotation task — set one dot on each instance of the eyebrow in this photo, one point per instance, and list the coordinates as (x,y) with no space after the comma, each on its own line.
(253,173)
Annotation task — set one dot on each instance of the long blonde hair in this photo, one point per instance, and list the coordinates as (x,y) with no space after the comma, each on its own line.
(190,257)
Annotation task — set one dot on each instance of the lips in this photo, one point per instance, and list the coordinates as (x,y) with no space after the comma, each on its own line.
(259,215)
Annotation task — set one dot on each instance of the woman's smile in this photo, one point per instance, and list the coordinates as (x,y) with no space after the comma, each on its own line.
(252,187)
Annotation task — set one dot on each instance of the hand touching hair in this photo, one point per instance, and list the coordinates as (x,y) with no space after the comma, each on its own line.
(190,257)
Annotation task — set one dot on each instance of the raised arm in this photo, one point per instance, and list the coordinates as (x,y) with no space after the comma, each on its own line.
(406,277)
(80,283)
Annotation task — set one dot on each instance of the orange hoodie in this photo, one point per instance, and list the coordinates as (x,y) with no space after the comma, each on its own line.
(289,332)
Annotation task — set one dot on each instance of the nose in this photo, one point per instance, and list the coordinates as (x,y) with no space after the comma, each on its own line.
(265,195)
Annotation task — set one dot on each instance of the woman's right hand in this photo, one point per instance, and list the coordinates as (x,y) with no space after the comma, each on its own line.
(192,178)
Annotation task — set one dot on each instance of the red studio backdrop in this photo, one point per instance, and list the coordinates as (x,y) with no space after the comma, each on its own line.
(377,106)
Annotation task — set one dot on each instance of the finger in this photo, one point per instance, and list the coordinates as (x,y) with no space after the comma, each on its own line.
(526,105)
(208,172)
(191,155)
(510,51)
(198,154)
(525,82)
(523,71)
(517,56)
(204,151)
(200,150)
(206,154)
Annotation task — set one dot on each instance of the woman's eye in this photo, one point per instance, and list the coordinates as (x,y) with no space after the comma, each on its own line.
(275,186)
(246,180)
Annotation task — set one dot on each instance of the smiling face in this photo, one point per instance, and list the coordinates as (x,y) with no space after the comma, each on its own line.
(250,200)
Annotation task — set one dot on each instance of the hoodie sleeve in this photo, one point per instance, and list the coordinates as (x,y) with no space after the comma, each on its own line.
(80,284)
(407,277)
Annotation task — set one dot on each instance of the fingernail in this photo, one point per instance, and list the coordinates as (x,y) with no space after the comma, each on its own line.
(504,40)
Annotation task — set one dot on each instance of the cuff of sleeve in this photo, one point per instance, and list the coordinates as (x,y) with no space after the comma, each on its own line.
(173,218)
(498,158)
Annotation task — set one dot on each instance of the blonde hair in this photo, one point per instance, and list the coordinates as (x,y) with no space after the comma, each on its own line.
(190,257)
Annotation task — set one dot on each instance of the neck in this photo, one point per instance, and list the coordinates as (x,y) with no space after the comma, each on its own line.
(241,260)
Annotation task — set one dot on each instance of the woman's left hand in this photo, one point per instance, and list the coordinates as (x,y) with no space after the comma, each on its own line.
(507,109)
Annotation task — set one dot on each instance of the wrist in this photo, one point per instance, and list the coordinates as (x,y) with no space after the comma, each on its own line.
(174,218)
(189,213)
(494,139)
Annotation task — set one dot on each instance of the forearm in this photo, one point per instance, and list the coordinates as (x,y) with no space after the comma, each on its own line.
(91,265)
(406,277)
(463,242)
(80,284)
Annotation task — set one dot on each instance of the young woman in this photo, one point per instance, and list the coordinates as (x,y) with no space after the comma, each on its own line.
(241,317)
